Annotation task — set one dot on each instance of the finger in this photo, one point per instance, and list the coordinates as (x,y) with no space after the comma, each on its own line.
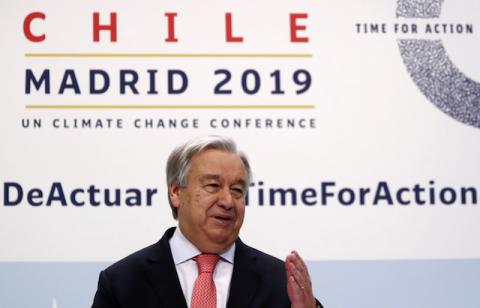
(295,288)
(296,272)
(297,269)
(293,283)
(290,263)
(299,277)
(300,295)
(299,263)
(293,272)
(290,266)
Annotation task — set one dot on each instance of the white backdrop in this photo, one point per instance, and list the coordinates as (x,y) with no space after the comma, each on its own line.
(368,123)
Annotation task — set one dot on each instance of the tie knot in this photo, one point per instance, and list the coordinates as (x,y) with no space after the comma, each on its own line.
(206,262)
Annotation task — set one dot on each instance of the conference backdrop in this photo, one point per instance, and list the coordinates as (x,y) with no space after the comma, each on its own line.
(361,120)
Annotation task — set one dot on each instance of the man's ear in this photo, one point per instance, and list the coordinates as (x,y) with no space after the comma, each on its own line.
(174,191)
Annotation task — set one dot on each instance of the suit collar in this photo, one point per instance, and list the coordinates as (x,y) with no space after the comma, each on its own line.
(162,274)
(245,277)
(183,250)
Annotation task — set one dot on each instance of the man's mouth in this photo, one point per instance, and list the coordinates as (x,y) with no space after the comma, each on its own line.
(225,218)
(222,219)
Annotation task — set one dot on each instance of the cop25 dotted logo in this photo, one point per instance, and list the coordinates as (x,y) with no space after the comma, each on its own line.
(433,71)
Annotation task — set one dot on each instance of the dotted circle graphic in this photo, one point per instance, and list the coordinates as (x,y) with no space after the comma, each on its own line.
(433,72)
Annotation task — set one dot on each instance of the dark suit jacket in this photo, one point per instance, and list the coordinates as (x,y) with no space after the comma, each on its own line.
(148,279)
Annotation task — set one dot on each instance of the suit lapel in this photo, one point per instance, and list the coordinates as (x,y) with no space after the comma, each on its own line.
(162,274)
(244,277)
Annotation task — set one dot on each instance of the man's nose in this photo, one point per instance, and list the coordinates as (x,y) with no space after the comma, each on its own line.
(226,199)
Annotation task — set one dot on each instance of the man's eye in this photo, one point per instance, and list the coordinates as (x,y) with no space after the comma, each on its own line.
(237,192)
(212,186)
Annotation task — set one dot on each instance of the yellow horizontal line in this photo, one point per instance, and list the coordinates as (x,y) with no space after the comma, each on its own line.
(167,55)
(170,106)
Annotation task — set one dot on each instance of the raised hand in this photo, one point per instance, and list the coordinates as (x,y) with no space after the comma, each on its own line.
(299,285)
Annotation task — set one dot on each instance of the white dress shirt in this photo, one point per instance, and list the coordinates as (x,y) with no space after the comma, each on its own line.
(183,252)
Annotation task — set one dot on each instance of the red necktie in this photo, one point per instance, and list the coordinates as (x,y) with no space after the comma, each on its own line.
(204,293)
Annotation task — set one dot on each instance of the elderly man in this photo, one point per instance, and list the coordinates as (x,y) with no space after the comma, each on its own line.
(202,263)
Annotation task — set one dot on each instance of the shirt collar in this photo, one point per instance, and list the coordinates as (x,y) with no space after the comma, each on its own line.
(183,250)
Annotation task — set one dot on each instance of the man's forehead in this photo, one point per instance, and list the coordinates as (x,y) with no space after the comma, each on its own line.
(215,156)
(213,176)
(213,162)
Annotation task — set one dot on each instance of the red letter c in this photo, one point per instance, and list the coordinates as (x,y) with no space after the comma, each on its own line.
(26,27)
